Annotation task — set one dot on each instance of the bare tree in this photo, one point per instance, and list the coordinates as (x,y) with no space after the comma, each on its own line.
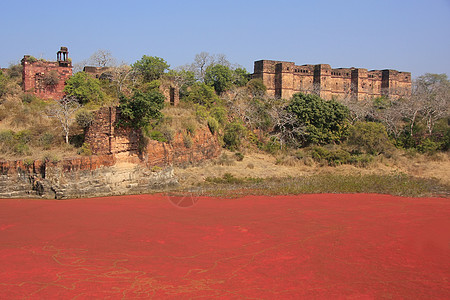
(391,116)
(410,109)
(359,110)
(63,110)
(102,58)
(201,61)
(120,75)
(432,92)
(287,129)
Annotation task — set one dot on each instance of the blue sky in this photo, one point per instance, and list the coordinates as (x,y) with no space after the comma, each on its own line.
(411,35)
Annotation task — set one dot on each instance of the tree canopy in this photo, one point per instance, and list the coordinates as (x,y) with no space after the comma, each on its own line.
(202,94)
(150,67)
(84,88)
(325,121)
(220,77)
(139,110)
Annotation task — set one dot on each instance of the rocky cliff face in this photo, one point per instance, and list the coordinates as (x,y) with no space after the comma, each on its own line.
(119,168)
(81,177)
(123,164)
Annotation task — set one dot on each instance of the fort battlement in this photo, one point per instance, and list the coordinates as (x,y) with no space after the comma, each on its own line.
(283,79)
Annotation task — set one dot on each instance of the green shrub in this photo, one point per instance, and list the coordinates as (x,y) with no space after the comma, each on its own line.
(226,178)
(201,112)
(272,146)
(232,135)
(21,149)
(239,156)
(220,114)
(202,94)
(256,88)
(220,77)
(76,140)
(28,162)
(152,86)
(28,98)
(157,136)
(361,160)
(319,153)
(23,136)
(428,146)
(7,137)
(333,157)
(156,169)
(369,137)
(338,157)
(85,150)
(213,125)
(190,127)
(46,140)
(49,157)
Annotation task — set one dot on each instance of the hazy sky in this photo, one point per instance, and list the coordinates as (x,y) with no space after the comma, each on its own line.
(406,35)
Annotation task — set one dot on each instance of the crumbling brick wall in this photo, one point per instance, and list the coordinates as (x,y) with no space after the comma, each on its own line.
(36,74)
(106,138)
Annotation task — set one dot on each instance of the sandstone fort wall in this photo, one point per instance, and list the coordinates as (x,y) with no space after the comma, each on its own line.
(283,79)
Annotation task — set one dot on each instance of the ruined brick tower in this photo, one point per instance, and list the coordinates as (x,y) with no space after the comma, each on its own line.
(283,79)
(46,79)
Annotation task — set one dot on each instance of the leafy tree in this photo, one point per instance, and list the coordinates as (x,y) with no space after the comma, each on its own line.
(85,88)
(150,67)
(324,121)
(220,77)
(369,137)
(202,94)
(233,134)
(240,77)
(139,110)
(15,71)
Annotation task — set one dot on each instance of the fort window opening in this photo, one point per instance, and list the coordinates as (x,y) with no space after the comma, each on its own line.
(172,96)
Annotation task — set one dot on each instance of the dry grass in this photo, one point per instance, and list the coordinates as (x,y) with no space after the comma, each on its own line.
(264,166)
(180,118)
(31,118)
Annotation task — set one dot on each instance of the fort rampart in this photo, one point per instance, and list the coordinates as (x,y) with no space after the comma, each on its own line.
(283,79)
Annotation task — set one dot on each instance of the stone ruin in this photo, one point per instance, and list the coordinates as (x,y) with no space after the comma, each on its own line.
(46,79)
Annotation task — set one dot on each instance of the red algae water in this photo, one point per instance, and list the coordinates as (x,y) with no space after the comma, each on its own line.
(327,246)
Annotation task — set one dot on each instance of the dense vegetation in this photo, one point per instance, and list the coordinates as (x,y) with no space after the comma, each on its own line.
(221,97)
